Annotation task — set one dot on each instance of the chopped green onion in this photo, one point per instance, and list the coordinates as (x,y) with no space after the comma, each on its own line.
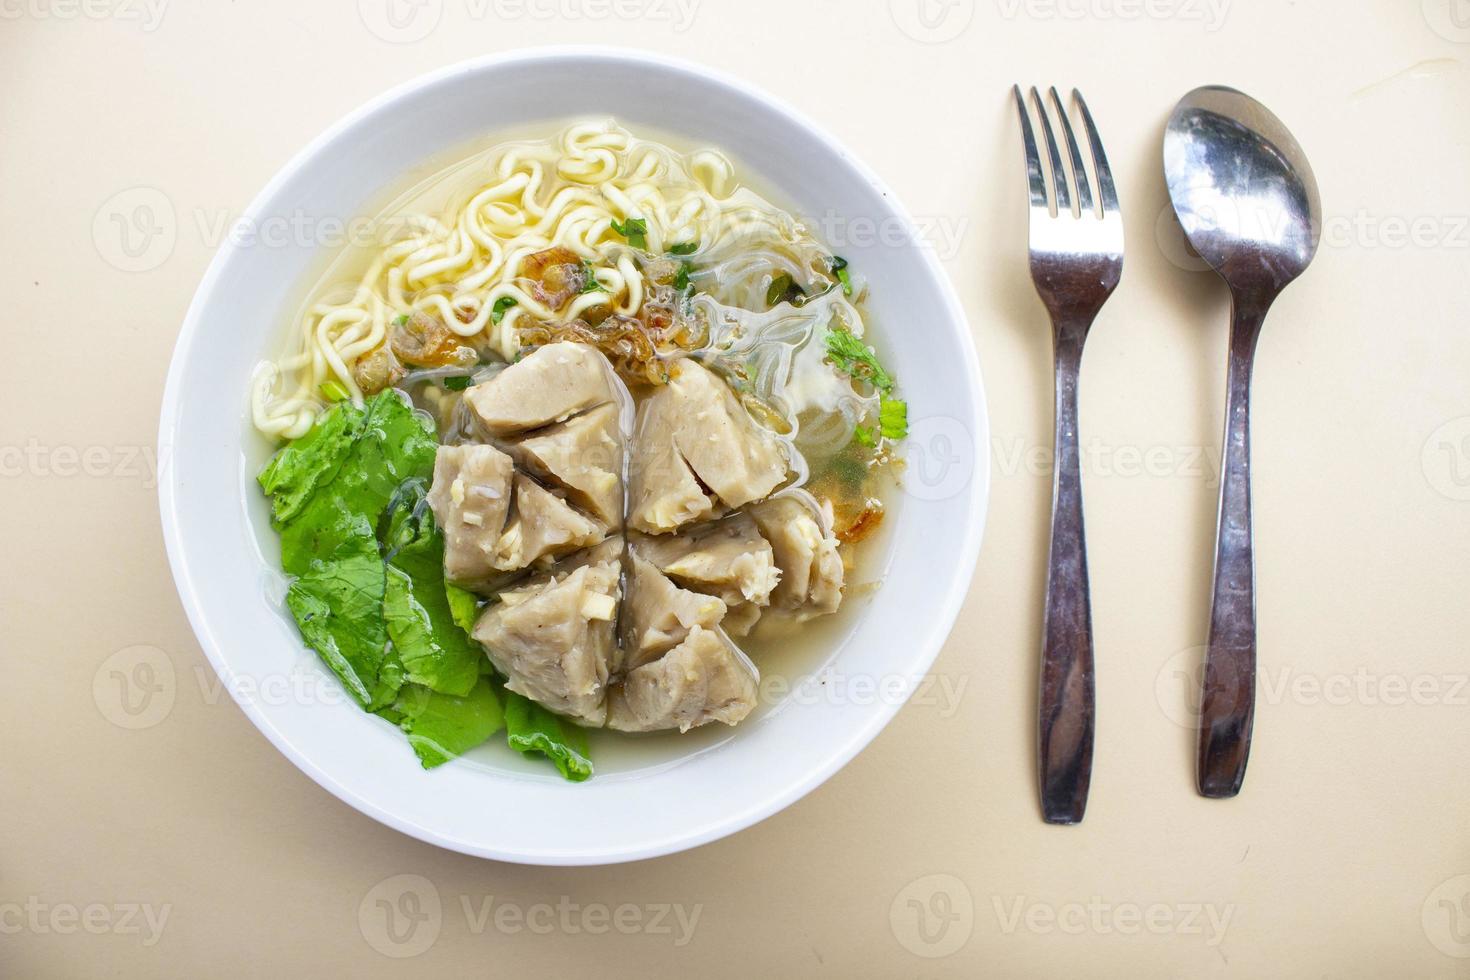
(839,269)
(457,382)
(893,417)
(592,285)
(684,248)
(333,391)
(400,319)
(497,312)
(634,230)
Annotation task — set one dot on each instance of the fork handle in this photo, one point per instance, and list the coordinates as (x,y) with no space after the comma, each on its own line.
(1228,700)
(1067,705)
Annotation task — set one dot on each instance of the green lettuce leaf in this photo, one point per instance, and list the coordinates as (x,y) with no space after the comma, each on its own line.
(435,652)
(441,727)
(303,465)
(336,499)
(338,606)
(531,728)
(464,606)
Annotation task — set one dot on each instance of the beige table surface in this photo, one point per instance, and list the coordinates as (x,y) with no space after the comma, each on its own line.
(187,846)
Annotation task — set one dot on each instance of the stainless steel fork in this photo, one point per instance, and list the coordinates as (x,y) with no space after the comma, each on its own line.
(1076,259)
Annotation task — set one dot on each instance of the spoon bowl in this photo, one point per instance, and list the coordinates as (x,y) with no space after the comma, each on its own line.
(1242,188)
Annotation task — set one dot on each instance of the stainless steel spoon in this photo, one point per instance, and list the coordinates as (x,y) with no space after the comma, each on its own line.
(1248,203)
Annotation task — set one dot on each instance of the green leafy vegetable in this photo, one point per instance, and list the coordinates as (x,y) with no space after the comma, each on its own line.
(497,311)
(394,444)
(839,269)
(464,606)
(531,728)
(592,285)
(333,391)
(434,651)
(295,472)
(684,248)
(368,591)
(893,417)
(441,727)
(681,278)
(457,382)
(784,290)
(855,359)
(327,537)
(635,230)
(338,606)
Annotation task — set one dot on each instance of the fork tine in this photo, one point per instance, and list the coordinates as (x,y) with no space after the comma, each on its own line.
(1106,190)
(1058,176)
(1079,172)
(1034,180)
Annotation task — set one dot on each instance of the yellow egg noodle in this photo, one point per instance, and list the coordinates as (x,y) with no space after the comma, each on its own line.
(577,191)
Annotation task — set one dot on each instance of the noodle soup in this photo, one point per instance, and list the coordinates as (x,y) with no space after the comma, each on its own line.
(588,439)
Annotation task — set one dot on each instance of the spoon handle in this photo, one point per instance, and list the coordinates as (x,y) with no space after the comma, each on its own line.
(1227,703)
(1066,710)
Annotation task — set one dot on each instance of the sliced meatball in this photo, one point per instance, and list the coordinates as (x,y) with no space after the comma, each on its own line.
(663,493)
(692,435)
(550,384)
(553,639)
(728,558)
(542,526)
(658,615)
(584,456)
(470,498)
(705,678)
(805,552)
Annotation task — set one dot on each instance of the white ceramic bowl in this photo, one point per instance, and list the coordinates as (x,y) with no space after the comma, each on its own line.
(492,803)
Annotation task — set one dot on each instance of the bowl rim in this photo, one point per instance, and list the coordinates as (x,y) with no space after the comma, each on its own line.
(933,638)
